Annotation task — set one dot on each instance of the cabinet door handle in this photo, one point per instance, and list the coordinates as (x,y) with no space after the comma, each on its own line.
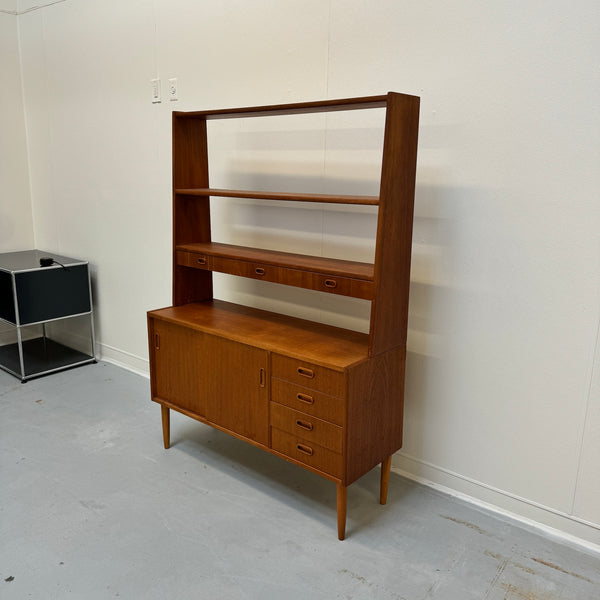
(305,425)
(261,378)
(259,271)
(305,398)
(157,341)
(202,260)
(305,449)
(306,372)
(330,283)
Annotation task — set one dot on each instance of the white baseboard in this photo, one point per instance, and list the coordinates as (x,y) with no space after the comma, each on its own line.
(567,528)
(126,360)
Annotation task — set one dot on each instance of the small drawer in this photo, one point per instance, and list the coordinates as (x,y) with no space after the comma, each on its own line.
(266,272)
(228,265)
(308,453)
(309,375)
(244,268)
(193,259)
(308,401)
(306,427)
(345,286)
(336,285)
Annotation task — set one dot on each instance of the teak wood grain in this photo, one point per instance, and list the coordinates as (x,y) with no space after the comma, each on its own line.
(324,345)
(191,216)
(327,399)
(284,196)
(317,264)
(289,109)
(176,353)
(310,272)
(307,453)
(194,370)
(307,427)
(395,224)
(310,375)
(310,401)
(375,411)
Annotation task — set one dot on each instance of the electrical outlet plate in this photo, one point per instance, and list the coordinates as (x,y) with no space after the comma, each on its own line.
(155,90)
(173,89)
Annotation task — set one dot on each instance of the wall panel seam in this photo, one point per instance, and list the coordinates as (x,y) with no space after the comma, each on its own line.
(595,362)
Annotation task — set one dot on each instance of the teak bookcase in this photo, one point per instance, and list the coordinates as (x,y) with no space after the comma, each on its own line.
(327,399)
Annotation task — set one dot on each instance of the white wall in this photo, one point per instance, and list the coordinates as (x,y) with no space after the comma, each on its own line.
(16,225)
(503,401)
(9,7)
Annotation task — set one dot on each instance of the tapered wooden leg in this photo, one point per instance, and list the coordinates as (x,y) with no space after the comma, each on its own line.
(166,426)
(342,496)
(386,466)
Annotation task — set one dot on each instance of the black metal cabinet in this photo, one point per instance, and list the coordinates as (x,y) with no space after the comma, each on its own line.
(37,288)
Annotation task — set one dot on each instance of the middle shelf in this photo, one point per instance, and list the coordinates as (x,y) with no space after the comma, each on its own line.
(344,277)
(285,196)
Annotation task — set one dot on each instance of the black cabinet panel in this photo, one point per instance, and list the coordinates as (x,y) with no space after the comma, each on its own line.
(52,293)
(7,302)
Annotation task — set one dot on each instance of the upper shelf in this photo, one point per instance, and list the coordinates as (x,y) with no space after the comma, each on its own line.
(291,109)
(287,196)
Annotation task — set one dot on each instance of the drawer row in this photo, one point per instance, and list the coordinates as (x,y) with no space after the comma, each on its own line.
(345,286)
(307,413)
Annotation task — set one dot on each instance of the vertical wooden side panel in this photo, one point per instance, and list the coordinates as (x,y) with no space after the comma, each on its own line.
(191,214)
(151,349)
(375,412)
(389,309)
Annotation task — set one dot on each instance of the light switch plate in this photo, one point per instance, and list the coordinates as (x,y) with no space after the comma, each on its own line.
(173,89)
(155,90)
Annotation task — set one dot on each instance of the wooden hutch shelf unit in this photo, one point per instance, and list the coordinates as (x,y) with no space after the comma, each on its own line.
(327,399)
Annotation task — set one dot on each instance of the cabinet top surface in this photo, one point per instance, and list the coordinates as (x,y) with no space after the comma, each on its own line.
(28,260)
(306,340)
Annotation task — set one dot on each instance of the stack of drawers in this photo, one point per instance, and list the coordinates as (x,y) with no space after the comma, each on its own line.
(307,414)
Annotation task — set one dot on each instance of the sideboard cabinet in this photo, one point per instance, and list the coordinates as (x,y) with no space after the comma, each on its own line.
(327,399)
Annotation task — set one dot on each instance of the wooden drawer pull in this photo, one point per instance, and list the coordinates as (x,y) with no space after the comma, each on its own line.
(305,398)
(202,260)
(305,425)
(306,372)
(305,449)
(259,271)
(330,283)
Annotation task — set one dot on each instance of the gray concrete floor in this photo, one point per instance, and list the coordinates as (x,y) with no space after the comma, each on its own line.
(92,506)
